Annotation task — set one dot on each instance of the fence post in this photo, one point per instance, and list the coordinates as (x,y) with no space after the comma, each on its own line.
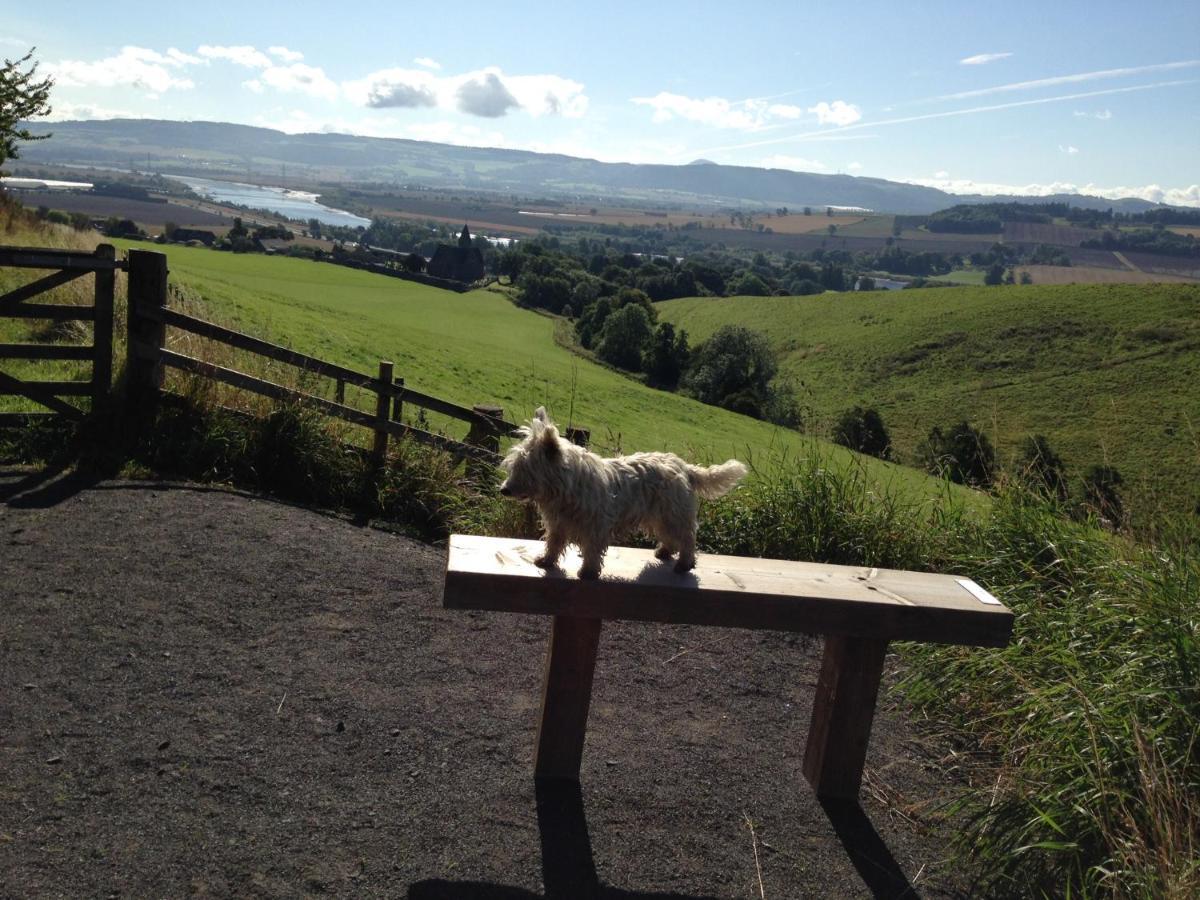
(383,406)
(398,403)
(102,332)
(579,436)
(147,288)
(485,434)
(340,393)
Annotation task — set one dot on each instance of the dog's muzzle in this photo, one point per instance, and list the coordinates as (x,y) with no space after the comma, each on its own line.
(505,490)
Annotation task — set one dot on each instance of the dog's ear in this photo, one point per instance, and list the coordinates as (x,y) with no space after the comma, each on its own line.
(540,414)
(548,441)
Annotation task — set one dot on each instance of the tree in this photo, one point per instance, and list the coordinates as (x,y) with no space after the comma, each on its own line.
(666,357)
(750,285)
(733,368)
(995,274)
(863,431)
(624,337)
(962,453)
(1042,469)
(22,97)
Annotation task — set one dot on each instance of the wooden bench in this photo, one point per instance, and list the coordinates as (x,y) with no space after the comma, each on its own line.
(857,610)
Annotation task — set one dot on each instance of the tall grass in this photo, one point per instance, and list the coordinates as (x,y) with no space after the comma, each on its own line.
(1083,732)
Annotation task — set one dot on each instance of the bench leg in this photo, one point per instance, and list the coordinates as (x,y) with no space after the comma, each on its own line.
(843,709)
(570,664)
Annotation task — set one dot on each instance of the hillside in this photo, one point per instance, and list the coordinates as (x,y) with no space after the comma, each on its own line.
(1107,372)
(244,152)
(477,348)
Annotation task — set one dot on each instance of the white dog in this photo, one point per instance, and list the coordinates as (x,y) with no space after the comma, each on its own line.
(589,501)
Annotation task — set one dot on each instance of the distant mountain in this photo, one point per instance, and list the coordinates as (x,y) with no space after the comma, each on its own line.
(223,150)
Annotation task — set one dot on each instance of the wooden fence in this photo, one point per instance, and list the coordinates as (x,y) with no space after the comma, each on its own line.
(68,265)
(149,357)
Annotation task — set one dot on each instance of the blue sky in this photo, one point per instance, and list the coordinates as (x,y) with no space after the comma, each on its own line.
(1102,97)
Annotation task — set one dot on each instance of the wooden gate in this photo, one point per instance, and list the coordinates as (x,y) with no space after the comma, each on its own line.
(69,265)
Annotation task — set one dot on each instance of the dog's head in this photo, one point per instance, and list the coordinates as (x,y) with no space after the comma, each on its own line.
(531,464)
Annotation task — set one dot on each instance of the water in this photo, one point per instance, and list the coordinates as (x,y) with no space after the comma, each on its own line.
(292,204)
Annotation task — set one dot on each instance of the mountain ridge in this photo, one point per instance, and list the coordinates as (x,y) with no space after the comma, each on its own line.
(222,149)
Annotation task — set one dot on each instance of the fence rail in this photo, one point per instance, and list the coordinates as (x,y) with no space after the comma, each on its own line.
(148,356)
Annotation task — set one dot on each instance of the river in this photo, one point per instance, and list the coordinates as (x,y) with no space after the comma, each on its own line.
(292,204)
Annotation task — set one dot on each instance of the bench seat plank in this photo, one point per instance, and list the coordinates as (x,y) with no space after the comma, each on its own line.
(499,574)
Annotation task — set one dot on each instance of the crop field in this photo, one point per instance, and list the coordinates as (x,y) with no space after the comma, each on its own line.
(1097,275)
(1186,266)
(141,211)
(1106,372)
(1037,233)
(477,348)
(1193,230)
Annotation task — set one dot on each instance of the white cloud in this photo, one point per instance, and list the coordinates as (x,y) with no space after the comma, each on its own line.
(717,112)
(301,78)
(854,167)
(285,54)
(983,58)
(69,112)
(836,113)
(241,55)
(487,93)
(1186,196)
(794,163)
(427,62)
(1104,115)
(136,67)
(254,85)
(1068,149)
(1070,79)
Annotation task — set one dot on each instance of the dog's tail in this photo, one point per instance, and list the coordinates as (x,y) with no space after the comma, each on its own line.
(715,481)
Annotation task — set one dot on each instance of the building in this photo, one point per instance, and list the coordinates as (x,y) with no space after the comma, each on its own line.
(462,263)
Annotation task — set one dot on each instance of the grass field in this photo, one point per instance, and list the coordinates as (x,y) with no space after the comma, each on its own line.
(1107,372)
(476,348)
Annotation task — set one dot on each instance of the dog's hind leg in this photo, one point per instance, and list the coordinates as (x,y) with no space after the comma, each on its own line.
(687,553)
(664,551)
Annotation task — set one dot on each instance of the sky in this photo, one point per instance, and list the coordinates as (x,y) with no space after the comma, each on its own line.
(1097,97)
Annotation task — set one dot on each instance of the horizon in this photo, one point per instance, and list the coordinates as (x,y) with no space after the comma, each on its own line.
(941,98)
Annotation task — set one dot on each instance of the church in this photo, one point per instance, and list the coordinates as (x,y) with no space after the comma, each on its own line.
(461,263)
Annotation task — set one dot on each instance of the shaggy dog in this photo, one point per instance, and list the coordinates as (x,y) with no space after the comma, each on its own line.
(589,501)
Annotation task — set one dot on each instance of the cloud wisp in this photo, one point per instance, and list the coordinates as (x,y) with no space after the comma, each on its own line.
(1186,196)
(1077,78)
(974,110)
(754,114)
(982,59)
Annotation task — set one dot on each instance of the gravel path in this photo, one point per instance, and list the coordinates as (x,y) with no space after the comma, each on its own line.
(204,692)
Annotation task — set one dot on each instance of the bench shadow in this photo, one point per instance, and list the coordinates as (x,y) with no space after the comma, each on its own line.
(568,867)
(868,853)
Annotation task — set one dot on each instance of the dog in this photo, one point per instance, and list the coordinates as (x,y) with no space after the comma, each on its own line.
(591,501)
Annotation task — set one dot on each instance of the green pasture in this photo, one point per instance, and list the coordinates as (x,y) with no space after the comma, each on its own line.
(1108,373)
(478,348)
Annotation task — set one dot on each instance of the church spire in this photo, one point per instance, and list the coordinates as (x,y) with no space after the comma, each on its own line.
(464,239)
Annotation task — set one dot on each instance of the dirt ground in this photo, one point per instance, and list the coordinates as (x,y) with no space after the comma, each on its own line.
(207,693)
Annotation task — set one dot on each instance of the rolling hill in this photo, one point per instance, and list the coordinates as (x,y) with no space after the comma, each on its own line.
(217,149)
(479,348)
(1107,372)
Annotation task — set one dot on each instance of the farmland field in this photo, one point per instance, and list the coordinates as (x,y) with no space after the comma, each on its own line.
(1038,233)
(1106,372)
(1097,275)
(474,348)
(141,211)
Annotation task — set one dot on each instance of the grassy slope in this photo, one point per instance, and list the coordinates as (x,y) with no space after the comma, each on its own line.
(1107,372)
(473,348)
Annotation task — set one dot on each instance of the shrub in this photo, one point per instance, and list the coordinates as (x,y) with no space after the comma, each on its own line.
(731,366)
(962,453)
(1041,469)
(863,431)
(625,335)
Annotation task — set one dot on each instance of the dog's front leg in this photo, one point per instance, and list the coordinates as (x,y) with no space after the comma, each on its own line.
(593,559)
(556,543)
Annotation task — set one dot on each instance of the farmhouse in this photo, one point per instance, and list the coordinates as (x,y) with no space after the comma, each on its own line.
(461,263)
